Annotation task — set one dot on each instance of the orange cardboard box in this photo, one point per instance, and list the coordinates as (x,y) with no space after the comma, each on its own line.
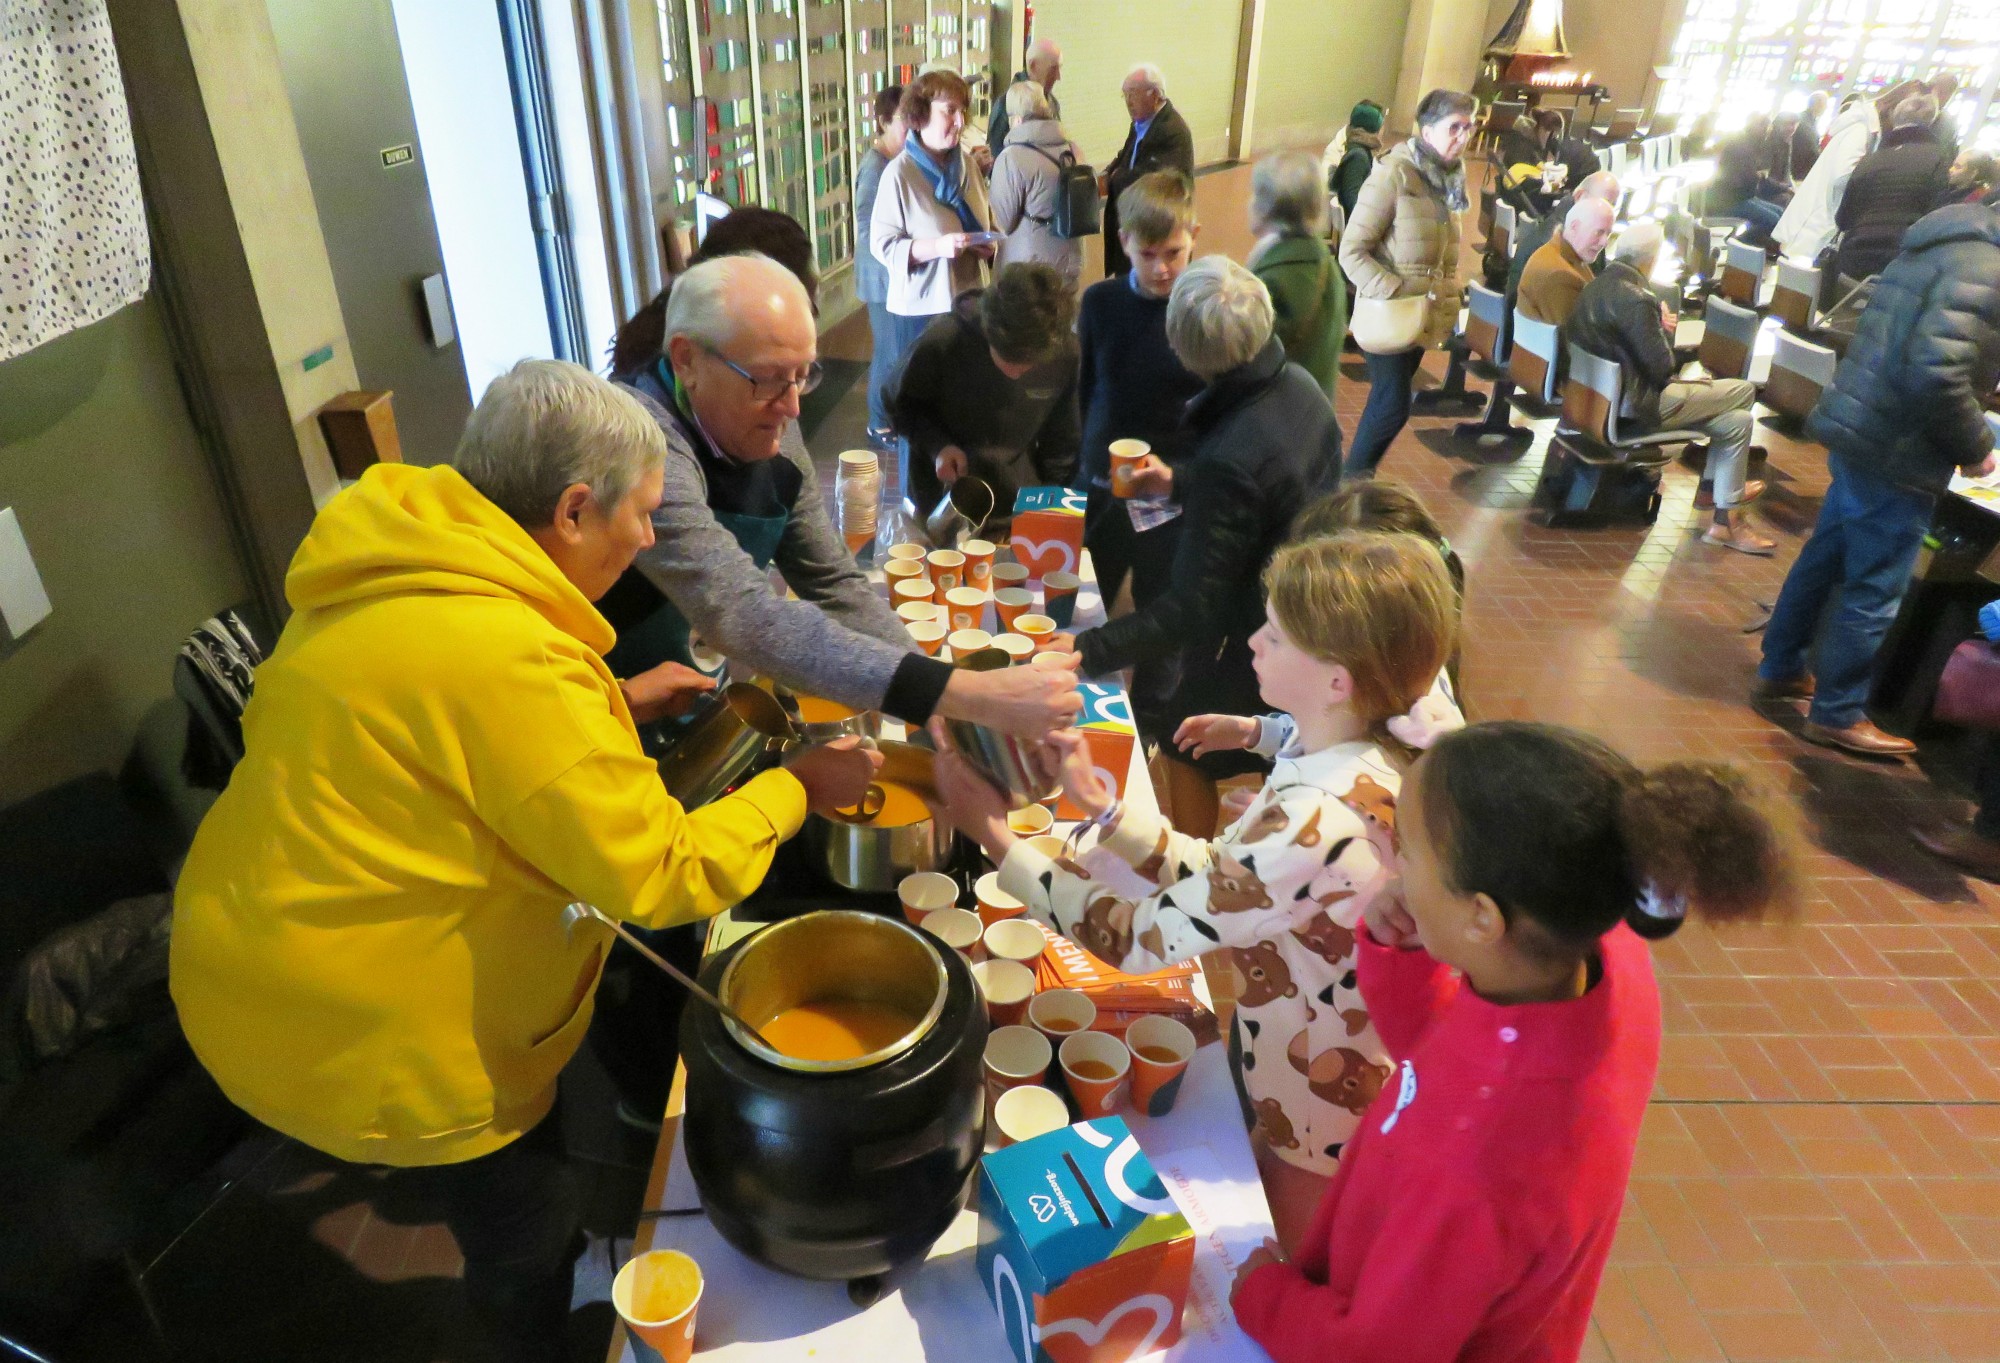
(1110,733)
(1048,531)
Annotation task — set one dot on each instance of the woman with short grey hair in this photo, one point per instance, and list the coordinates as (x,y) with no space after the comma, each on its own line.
(1027,185)
(1288,214)
(1219,316)
(1264,443)
(547,425)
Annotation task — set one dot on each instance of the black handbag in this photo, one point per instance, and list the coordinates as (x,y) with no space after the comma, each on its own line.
(1078,212)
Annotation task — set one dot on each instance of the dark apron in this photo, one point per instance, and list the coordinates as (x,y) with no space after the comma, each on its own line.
(664,635)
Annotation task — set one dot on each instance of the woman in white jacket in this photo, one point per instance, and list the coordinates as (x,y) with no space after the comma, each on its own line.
(1027,181)
(1808,226)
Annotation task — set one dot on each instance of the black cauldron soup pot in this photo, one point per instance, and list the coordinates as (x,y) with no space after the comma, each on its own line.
(836,1170)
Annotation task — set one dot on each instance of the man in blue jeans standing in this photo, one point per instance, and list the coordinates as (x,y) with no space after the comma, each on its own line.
(1906,408)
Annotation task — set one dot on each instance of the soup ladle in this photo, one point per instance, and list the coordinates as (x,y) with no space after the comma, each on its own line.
(578,912)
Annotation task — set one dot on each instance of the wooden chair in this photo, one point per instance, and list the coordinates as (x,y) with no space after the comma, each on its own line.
(1795,297)
(1532,363)
(1728,339)
(1596,474)
(1800,372)
(1488,341)
(1742,277)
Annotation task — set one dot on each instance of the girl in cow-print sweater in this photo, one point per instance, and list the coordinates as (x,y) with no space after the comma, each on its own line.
(1357,627)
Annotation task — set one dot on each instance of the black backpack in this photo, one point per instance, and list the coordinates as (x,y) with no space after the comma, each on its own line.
(1078,212)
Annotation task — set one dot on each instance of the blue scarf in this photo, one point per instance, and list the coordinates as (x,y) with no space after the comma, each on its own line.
(947,181)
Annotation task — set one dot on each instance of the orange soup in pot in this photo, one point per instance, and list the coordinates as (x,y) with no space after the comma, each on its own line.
(836,1029)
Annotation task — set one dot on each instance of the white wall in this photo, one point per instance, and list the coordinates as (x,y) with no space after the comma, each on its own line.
(1192,41)
(465,120)
(1318,60)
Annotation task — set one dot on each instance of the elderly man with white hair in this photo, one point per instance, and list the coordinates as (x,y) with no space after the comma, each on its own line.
(740,498)
(1159,140)
(1264,444)
(371,949)
(1560,271)
(1044,68)
(1619,317)
(1534,233)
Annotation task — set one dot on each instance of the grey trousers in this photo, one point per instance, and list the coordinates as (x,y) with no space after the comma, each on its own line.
(1719,409)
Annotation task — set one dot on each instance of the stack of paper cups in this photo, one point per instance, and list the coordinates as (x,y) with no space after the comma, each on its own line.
(858,492)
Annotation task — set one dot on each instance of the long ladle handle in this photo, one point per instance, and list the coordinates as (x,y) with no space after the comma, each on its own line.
(663,963)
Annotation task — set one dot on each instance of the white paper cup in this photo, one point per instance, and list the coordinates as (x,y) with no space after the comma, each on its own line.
(1032,821)
(958,929)
(925,892)
(1015,939)
(1021,1114)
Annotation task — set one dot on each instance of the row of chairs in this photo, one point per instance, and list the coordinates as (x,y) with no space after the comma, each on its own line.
(1799,369)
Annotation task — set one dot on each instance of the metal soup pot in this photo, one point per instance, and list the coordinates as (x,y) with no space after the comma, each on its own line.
(840,1170)
(959,515)
(860,854)
(724,738)
(1025,773)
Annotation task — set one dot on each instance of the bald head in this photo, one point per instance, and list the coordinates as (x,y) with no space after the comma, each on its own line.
(1044,63)
(742,343)
(1588,227)
(1599,184)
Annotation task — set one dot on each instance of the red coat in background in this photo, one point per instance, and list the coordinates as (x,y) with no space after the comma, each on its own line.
(1473,1211)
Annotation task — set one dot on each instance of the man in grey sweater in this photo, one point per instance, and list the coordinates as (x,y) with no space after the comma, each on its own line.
(740,498)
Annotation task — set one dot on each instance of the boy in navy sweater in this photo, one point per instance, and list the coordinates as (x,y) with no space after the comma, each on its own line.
(1132,386)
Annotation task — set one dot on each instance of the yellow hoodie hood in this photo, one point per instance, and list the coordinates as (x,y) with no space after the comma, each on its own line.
(370,951)
(405,529)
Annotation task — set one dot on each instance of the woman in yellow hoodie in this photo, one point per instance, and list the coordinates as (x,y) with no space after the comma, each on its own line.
(370,951)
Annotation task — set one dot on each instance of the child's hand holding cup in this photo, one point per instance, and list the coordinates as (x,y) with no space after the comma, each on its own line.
(1080,781)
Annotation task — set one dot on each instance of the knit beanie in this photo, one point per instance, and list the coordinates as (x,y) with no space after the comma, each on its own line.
(1367,115)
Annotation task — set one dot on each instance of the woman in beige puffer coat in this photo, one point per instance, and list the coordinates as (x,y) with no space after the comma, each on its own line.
(1402,241)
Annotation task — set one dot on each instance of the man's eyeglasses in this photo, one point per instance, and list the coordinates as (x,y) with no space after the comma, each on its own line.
(770,390)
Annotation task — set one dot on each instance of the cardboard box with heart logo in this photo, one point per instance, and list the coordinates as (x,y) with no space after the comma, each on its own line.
(1109,731)
(1082,1249)
(1047,534)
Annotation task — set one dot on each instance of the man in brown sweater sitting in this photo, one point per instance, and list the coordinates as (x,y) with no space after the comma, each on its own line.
(1558,271)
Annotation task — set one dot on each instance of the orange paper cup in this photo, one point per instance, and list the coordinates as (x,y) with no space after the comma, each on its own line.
(966,642)
(1059,1014)
(656,1294)
(1161,1048)
(995,904)
(1016,1056)
(1007,986)
(1038,628)
(1017,648)
(1125,458)
(1021,1114)
(1059,597)
(1009,575)
(1011,603)
(914,552)
(914,612)
(914,589)
(1097,1068)
(928,634)
(947,568)
(958,929)
(1030,822)
(925,892)
(903,570)
(978,563)
(1015,939)
(967,607)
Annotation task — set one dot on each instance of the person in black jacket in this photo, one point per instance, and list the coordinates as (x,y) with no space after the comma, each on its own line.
(989,390)
(1619,317)
(1159,140)
(1266,443)
(1906,407)
(1894,185)
(1742,186)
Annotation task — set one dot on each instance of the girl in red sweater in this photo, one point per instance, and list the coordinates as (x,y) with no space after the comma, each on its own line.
(1473,1209)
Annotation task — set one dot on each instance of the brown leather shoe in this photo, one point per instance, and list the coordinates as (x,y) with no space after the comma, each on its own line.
(1861,737)
(1794,688)
(1963,848)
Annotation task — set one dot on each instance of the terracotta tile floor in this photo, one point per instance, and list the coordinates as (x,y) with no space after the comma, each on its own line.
(1819,1176)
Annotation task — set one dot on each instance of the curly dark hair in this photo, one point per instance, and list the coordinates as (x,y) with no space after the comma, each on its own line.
(1029,313)
(1563,831)
(750,228)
